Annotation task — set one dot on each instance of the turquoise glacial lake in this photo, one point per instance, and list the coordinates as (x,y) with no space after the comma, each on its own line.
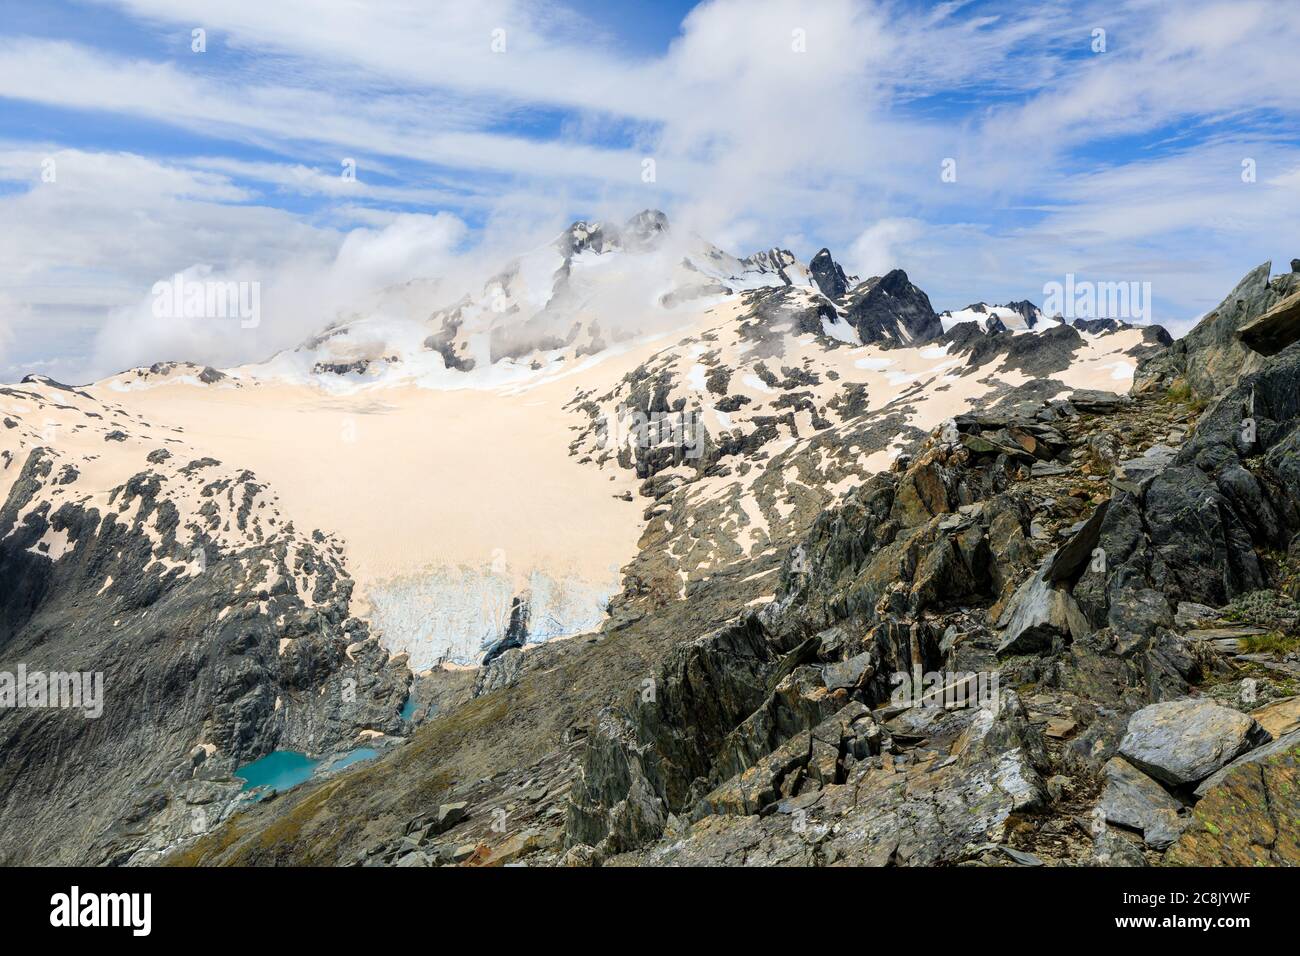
(356,756)
(279,770)
(285,769)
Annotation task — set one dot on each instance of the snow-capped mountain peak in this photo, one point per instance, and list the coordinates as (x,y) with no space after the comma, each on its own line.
(1018,316)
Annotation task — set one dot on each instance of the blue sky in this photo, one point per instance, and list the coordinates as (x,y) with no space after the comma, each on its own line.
(770,123)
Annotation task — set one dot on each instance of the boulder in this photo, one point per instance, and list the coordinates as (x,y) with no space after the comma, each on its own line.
(1182,742)
(450,814)
(1113,849)
(848,674)
(1038,614)
(1095,402)
(1133,800)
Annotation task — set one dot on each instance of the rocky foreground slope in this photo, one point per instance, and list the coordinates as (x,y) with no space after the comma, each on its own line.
(1059,629)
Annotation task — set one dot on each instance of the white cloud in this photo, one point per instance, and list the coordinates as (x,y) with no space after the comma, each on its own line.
(752,139)
(880,247)
(297,297)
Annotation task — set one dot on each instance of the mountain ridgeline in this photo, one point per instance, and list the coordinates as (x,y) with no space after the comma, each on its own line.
(546,638)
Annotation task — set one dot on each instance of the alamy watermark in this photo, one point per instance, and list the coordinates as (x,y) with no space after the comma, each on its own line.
(53,690)
(951,690)
(1083,299)
(182,298)
(76,909)
(633,428)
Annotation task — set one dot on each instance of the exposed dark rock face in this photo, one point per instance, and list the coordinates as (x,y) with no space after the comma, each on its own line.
(1192,526)
(771,261)
(889,308)
(444,343)
(1212,357)
(516,634)
(1039,354)
(209,659)
(787,714)
(1026,310)
(868,595)
(1275,329)
(828,275)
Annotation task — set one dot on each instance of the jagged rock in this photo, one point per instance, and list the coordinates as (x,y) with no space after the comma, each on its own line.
(1133,800)
(503,671)
(885,812)
(890,308)
(1182,742)
(1247,812)
(1212,357)
(613,806)
(848,674)
(1135,474)
(1189,614)
(828,275)
(440,821)
(1277,328)
(450,814)
(1039,614)
(762,784)
(1076,552)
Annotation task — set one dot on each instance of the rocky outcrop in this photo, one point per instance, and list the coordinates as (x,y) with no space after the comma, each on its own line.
(1041,613)
(1212,357)
(828,275)
(1275,329)
(1191,525)
(890,308)
(1134,801)
(945,562)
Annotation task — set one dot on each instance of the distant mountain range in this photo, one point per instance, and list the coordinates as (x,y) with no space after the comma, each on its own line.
(473,530)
